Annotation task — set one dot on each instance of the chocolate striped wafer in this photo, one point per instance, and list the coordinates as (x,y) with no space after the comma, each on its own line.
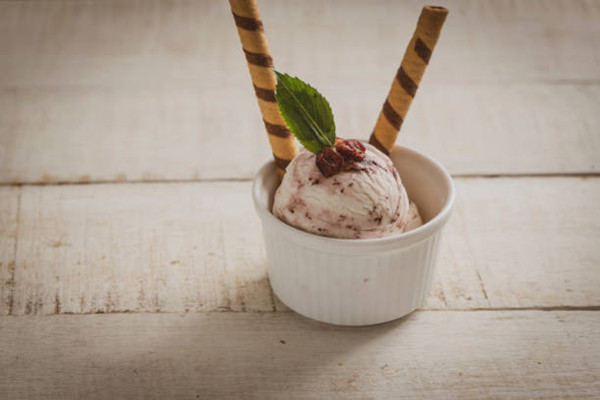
(260,64)
(407,79)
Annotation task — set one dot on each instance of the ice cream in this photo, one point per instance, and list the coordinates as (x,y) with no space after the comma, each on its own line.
(335,187)
(365,199)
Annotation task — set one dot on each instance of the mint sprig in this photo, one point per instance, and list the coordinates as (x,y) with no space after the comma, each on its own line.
(306,112)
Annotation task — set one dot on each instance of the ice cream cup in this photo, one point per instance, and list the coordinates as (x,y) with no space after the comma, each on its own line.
(358,281)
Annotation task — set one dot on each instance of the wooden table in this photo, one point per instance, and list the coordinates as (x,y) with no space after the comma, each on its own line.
(131,260)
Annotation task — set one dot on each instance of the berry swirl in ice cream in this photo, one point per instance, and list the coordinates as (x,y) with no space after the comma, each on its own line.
(366,201)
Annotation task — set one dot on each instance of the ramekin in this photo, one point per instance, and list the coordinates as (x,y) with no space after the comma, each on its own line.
(358,281)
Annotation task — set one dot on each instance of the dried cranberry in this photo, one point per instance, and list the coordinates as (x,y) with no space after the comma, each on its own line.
(329,161)
(351,150)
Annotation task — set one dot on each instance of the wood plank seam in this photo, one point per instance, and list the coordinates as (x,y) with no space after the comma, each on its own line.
(228,309)
(217,180)
(591,308)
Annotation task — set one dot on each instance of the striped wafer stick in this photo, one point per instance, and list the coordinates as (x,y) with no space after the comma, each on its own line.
(407,79)
(260,64)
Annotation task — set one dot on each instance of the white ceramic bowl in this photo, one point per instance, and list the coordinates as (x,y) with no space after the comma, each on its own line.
(358,281)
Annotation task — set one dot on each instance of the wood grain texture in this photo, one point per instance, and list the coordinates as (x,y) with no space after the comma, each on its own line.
(9,211)
(491,129)
(165,247)
(133,90)
(524,242)
(527,242)
(428,355)
(152,90)
(136,42)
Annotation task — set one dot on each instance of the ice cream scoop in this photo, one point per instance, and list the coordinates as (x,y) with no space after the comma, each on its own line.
(366,200)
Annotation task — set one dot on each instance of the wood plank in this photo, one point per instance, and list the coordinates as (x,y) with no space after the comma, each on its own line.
(521,242)
(9,204)
(166,247)
(474,130)
(130,42)
(124,134)
(137,90)
(526,242)
(428,355)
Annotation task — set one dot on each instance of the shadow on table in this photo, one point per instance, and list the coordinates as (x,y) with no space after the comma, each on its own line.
(241,355)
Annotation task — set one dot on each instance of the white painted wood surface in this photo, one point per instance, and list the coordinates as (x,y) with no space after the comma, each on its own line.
(154,90)
(174,273)
(526,242)
(428,355)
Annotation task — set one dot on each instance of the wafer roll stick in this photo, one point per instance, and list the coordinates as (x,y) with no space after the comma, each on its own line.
(407,79)
(260,63)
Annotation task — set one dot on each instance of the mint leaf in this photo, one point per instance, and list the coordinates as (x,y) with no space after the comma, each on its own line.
(306,113)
